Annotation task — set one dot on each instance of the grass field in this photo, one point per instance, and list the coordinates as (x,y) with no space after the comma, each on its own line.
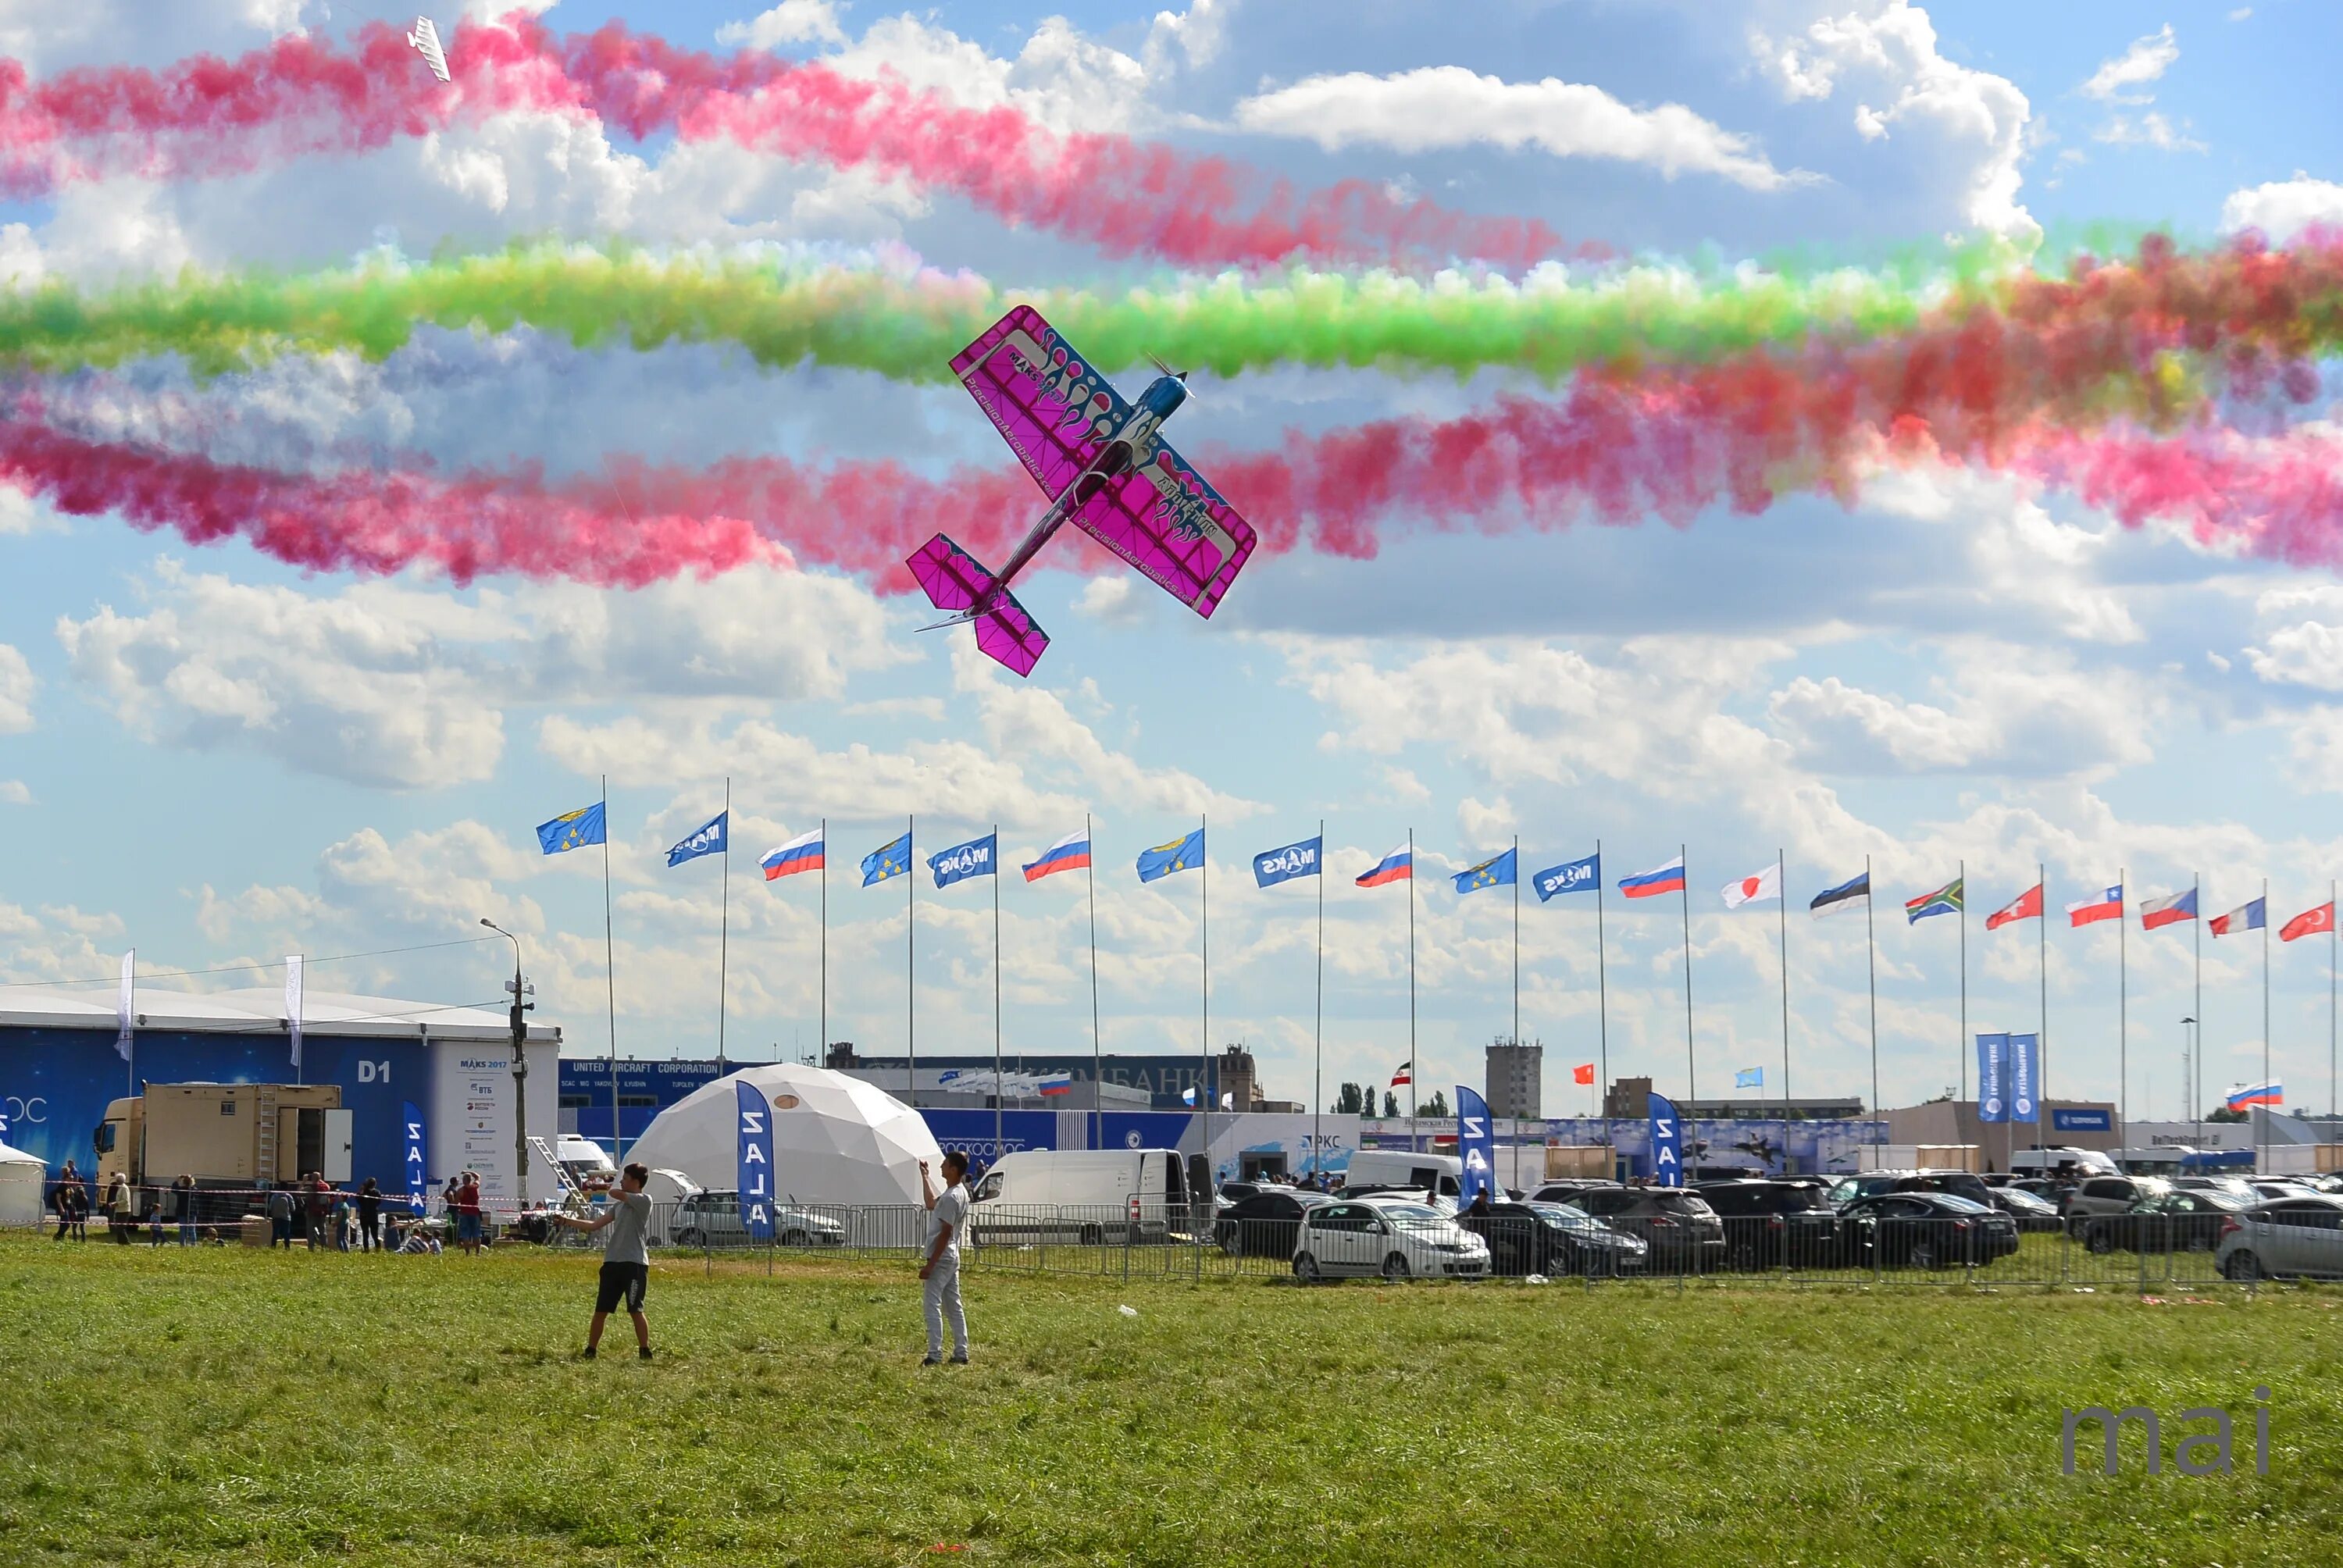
(223,1406)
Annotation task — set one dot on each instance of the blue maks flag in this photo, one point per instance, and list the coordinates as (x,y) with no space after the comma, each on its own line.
(419,1184)
(1749,1077)
(976,858)
(1476,1148)
(755,1162)
(710,838)
(572,830)
(1497,871)
(1570,877)
(2025,1076)
(1274,866)
(887,861)
(1992,1076)
(1180,855)
(1667,1142)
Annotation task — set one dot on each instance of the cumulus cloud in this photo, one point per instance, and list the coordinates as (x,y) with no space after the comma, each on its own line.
(790,22)
(2283,208)
(16,683)
(2145,61)
(1444,107)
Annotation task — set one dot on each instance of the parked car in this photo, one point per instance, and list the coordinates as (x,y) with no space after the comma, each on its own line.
(1962,1183)
(2235,1186)
(1264,1225)
(2097,1195)
(1678,1227)
(1440,1201)
(2277,1188)
(1924,1231)
(2167,1222)
(1869,1184)
(1773,1222)
(1567,1189)
(713,1220)
(2294,1237)
(1552,1238)
(1441,1173)
(1384,1236)
(2030,1211)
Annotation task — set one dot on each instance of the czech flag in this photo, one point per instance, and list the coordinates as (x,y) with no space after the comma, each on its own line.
(1399,865)
(1667,878)
(1070,853)
(2107,905)
(2309,922)
(2168,911)
(2026,906)
(802,853)
(2251,917)
(1058,1084)
(2271,1094)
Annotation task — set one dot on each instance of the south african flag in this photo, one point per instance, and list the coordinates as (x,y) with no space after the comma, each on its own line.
(1944,901)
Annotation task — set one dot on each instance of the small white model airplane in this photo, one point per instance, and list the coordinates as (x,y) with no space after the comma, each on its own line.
(425,39)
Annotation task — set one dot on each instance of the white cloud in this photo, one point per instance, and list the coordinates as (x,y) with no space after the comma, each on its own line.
(2046,717)
(1441,106)
(14,792)
(2145,61)
(2281,209)
(16,683)
(2151,130)
(1888,47)
(790,22)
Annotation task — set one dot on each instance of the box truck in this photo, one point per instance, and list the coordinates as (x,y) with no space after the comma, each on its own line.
(234,1139)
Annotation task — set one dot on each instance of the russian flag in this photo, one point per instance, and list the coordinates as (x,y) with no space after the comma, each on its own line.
(1058,1084)
(1399,865)
(1070,853)
(802,853)
(2251,917)
(2271,1094)
(2107,905)
(1667,878)
(2170,910)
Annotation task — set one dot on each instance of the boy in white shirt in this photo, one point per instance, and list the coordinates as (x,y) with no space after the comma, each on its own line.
(939,1268)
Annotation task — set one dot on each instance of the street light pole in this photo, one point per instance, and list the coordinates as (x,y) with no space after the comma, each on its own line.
(520,1008)
(2187,1059)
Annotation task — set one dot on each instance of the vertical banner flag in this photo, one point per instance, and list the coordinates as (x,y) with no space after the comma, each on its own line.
(293,1003)
(1993,1087)
(756,1162)
(1497,871)
(1275,866)
(1476,1147)
(1180,855)
(412,1156)
(572,830)
(2025,1070)
(1571,877)
(1667,1142)
(711,838)
(957,864)
(122,1006)
(890,860)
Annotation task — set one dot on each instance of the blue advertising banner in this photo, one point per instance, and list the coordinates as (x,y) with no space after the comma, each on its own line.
(1667,1142)
(2024,1075)
(756,1163)
(1993,1078)
(2083,1120)
(1476,1147)
(417,1158)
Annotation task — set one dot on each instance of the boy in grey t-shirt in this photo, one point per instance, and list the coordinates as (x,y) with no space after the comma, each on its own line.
(626,1261)
(939,1268)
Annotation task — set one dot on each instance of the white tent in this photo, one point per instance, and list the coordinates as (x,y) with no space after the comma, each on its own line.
(836,1139)
(21,1182)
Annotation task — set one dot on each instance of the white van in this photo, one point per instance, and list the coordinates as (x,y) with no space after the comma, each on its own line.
(2071,1164)
(1437,1173)
(1088,1195)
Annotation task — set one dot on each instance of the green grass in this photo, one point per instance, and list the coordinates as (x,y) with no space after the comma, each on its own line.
(226,1406)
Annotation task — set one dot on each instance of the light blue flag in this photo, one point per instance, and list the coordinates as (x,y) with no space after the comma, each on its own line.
(1180,855)
(976,858)
(1571,877)
(1749,1077)
(711,838)
(1497,871)
(887,861)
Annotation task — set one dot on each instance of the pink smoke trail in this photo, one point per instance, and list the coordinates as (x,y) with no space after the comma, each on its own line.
(301,96)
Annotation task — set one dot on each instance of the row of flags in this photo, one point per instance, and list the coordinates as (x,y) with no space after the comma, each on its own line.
(978,857)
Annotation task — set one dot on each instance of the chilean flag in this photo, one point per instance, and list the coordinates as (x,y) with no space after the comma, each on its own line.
(1070,853)
(1399,865)
(2271,1094)
(1667,878)
(2026,906)
(2251,917)
(2107,905)
(802,853)
(2168,911)
(2309,922)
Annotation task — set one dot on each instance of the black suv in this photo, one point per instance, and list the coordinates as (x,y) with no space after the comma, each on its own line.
(1551,1238)
(1773,1223)
(1682,1231)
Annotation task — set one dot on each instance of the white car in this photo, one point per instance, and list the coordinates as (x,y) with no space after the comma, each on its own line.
(1387,1237)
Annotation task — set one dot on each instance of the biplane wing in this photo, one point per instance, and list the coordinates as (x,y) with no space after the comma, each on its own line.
(1177,531)
(1056,410)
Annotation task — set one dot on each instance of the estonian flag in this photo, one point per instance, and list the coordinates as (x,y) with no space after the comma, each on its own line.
(1852,894)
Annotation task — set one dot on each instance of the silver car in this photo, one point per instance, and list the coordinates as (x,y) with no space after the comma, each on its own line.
(2300,1235)
(1384,1236)
(713,1220)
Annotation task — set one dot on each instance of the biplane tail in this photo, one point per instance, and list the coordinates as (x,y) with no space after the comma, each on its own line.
(956,580)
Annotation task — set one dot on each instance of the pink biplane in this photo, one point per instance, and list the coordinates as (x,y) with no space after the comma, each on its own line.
(1102,465)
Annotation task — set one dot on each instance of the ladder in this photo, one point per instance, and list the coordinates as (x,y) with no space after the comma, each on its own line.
(264,1140)
(561,1177)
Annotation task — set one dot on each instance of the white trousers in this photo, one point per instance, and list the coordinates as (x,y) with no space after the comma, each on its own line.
(939,1297)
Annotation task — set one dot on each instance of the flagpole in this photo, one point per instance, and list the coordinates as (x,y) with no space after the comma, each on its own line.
(2195,1088)
(1411,1063)
(1961,1048)
(1318,1021)
(2330,999)
(910,969)
(997,1148)
(2123,1008)
(1692,1091)
(610,978)
(723,928)
(1098,1104)
(2042,1028)
(1211,1085)
(1517,941)
(1602,996)
(2260,1157)
(1871,967)
(822,1045)
(1781,910)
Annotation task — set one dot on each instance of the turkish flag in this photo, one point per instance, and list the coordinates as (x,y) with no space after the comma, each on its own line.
(1582,1073)
(2028,906)
(2309,922)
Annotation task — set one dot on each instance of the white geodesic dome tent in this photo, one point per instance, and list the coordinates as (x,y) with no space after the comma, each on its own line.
(836,1139)
(22,1181)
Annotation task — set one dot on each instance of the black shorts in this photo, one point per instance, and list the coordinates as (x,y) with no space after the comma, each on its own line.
(622,1282)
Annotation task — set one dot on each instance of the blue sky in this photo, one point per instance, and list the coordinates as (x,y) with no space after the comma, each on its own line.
(219,760)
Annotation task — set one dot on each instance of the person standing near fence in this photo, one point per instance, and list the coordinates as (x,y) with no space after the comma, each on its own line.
(121,1212)
(72,1202)
(280,1217)
(318,1202)
(626,1258)
(939,1268)
(467,1213)
(370,1216)
(183,1195)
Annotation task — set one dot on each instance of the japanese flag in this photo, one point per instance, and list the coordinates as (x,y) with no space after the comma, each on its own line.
(1765,884)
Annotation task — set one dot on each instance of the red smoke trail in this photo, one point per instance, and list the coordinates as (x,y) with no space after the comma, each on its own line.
(301,96)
